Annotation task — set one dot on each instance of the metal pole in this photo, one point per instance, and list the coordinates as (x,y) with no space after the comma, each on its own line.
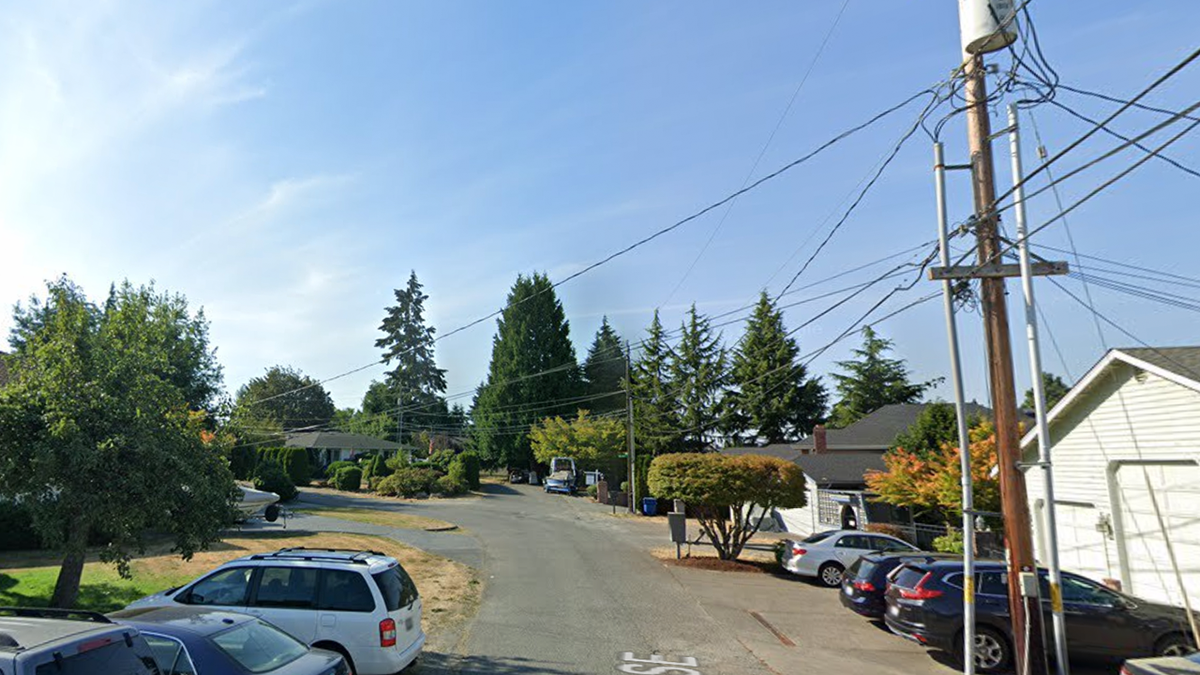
(629,429)
(1023,602)
(1039,399)
(968,499)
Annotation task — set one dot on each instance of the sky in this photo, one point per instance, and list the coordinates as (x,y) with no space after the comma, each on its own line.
(285,165)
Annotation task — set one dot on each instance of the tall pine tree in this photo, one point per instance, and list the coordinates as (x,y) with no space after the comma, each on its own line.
(699,371)
(772,399)
(604,372)
(533,369)
(415,382)
(872,381)
(656,425)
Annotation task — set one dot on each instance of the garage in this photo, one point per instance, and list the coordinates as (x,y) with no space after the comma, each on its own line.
(1174,488)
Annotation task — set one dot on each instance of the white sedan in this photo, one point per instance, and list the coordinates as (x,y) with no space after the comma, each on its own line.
(825,555)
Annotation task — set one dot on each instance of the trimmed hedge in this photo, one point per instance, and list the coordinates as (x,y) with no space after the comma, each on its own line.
(449,486)
(270,476)
(471,465)
(408,482)
(348,478)
(333,468)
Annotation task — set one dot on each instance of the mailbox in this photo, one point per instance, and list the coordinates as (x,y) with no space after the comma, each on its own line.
(678,524)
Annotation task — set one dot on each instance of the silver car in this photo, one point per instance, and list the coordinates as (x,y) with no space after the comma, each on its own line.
(826,555)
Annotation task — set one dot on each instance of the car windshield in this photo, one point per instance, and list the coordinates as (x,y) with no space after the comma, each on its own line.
(818,537)
(258,646)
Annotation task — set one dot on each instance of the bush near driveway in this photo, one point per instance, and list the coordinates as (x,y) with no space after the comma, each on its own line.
(333,468)
(449,486)
(271,477)
(471,465)
(348,479)
(409,482)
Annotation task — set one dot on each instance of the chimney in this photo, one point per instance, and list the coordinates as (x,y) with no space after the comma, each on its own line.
(819,439)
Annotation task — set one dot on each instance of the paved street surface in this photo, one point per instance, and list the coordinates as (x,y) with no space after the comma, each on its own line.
(571,589)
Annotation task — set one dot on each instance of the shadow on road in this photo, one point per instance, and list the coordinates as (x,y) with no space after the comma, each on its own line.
(447,664)
(497,489)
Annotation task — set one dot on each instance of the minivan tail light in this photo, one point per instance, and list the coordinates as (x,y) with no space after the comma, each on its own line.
(919,592)
(387,633)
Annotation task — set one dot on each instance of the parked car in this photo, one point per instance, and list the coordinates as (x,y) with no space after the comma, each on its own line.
(361,604)
(924,604)
(826,555)
(1167,665)
(864,582)
(70,642)
(203,641)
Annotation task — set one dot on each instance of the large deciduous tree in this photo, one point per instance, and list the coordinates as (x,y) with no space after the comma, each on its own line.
(594,442)
(656,425)
(281,399)
(532,371)
(103,429)
(725,491)
(698,370)
(604,372)
(772,399)
(415,383)
(871,381)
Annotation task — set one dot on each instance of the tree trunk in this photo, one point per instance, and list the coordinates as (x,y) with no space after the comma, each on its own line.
(66,589)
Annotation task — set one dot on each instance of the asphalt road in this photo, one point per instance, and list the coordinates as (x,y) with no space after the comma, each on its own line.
(569,590)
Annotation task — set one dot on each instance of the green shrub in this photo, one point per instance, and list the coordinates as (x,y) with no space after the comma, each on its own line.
(471,463)
(400,461)
(295,463)
(625,486)
(457,471)
(641,472)
(271,477)
(423,464)
(441,459)
(780,549)
(333,468)
(380,467)
(449,486)
(593,491)
(951,542)
(17,526)
(408,482)
(242,461)
(348,478)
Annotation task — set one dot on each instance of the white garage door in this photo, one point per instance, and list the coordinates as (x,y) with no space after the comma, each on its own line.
(1176,488)
(1081,547)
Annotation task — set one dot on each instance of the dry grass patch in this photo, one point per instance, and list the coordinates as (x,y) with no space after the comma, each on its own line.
(375,517)
(450,590)
(750,561)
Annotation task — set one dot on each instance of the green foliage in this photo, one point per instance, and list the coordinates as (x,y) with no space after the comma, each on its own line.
(414,383)
(872,381)
(604,371)
(594,443)
(17,526)
(593,491)
(295,463)
(532,336)
(720,489)
(780,549)
(641,472)
(1053,386)
(348,478)
(109,405)
(936,426)
(951,542)
(471,467)
(334,467)
(270,477)
(282,398)
(449,486)
(656,423)
(458,471)
(699,371)
(242,460)
(380,467)
(441,459)
(408,482)
(771,398)
(400,461)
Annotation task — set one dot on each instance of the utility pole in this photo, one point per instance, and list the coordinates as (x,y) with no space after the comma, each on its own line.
(400,421)
(629,428)
(1023,601)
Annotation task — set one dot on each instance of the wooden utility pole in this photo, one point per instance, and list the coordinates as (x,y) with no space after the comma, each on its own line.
(629,426)
(1023,600)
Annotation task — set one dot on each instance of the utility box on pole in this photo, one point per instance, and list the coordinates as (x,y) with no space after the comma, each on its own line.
(986,25)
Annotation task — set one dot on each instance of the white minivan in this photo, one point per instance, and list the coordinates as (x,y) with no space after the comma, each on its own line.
(362,604)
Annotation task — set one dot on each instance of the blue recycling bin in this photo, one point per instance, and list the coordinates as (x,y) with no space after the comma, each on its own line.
(649,506)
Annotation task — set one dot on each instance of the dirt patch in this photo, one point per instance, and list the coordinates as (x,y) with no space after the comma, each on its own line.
(756,562)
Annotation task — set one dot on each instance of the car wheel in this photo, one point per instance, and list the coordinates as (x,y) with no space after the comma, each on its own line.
(1174,645)
(992,651)
(830,574)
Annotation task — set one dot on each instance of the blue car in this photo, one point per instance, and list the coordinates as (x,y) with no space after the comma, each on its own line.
(199,641)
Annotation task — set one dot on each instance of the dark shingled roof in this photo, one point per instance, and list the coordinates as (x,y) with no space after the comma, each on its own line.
(337,440)
(840,469)
(781,450)
(877,430)
(1183,361)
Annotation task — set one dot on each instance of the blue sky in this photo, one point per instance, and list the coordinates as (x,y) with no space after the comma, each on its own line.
(284,165)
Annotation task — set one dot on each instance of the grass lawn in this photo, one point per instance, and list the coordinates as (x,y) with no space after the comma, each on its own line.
(450,590)
(385,518)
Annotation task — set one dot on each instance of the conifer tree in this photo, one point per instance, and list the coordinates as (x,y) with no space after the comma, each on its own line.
(872,381)
(415,382)
(656,424)
(604,372)
(699,371)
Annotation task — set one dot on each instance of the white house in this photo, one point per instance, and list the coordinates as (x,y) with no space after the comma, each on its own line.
(1125,447)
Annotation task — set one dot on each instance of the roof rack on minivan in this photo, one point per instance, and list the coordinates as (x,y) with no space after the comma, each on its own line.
(52,613)
(302,553)
(330,550)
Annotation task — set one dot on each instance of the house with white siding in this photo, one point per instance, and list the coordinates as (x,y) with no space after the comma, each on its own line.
(1125,450)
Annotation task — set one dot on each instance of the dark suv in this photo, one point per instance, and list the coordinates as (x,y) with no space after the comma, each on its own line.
(925,604)
(865,581)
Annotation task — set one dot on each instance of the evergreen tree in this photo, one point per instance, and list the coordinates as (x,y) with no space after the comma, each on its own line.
(532,337)
(772,399)
(872,381)
(604,372)
(415,382)
(1053,386)
(656,425)
(699,371)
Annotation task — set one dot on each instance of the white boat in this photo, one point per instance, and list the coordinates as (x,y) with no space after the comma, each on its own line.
(258,503)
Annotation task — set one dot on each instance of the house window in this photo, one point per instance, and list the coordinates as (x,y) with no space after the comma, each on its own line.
(828,511)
